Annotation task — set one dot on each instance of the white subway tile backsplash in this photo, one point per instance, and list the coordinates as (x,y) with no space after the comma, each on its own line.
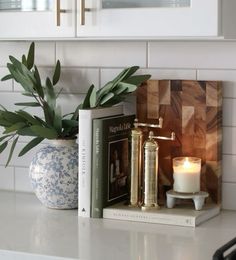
(228,168)
(44,52)
(102,54)
(229,140)
(190,54)
(229,118)
(6,178)
(211,74)
(22,181)
(5,85)
(78,80)
(228,196)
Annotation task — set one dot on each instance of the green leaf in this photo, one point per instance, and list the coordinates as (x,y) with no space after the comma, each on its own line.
(106,98)
(27,94)
(75,115)
(129,87)
(30,57)
(28,117)
(50,94)
(12,150)
(14,127)
(38,85)
(16,63)
(27,131)
(44,132)
(30,145)
(69,123)
(138,79)
(12,117)
(23,59)
(58,120)
(3,107)
(86,103)
(104,90)
(28,104)
(4,122)
(41,122)
(3,146)
(4,137)
(57,73)
(7,77)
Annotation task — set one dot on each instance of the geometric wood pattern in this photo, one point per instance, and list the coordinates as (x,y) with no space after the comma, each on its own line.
(193,110)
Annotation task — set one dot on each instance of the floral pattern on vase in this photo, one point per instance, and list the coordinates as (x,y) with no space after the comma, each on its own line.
(54,174)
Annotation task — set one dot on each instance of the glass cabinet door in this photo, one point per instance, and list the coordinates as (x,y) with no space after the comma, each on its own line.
(25,5)
(144,3)
(148,18)
(37,18)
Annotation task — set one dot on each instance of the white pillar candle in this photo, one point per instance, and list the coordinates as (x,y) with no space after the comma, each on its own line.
(187,171)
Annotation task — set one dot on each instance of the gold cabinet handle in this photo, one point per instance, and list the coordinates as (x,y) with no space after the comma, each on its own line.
(83,9)
(58,12)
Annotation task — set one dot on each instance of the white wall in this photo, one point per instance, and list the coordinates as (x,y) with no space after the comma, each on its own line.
(96,62)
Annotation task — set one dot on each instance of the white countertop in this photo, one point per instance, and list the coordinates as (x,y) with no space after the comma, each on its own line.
(27,226)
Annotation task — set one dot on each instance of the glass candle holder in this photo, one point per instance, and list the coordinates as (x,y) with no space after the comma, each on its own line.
(187,172)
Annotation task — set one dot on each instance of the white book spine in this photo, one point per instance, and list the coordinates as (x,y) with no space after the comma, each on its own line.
(188,218)
(85,154)
(149,218)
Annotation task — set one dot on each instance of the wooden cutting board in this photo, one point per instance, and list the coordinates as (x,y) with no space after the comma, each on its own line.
(193,110)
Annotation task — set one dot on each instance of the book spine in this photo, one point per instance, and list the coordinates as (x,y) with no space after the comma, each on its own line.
(85,132)
(97,171)
(148,218)
(85,154)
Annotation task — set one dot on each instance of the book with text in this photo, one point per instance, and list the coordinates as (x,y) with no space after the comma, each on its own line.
(110,170)
(86,117)
(179,216)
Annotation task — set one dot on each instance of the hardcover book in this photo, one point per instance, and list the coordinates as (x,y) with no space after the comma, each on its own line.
(110,161)
(179,216)
(86,117)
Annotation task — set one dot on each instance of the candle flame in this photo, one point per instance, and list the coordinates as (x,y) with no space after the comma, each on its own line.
(186,163)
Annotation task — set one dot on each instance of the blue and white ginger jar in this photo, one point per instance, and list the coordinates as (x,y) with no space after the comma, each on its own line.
(54,174)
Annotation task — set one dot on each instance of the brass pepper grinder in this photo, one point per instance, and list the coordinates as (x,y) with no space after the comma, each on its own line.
(151,148)
(136,165)
(150,173)
(136,161)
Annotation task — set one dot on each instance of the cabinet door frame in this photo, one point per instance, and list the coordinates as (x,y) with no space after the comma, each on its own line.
(200,20)
(39,24)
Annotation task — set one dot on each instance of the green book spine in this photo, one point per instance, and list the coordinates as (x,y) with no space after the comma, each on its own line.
(110,162)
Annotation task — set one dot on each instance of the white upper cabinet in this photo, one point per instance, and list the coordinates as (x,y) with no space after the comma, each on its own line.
(155,18)
(117,19)
(37,18)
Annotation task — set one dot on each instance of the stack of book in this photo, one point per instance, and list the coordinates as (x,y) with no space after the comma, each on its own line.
(103,158)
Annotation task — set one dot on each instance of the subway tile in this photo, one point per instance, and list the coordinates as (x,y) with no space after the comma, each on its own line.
(229,118)
(212,74)
(229,140)
(109,74)
(5,85)
(44,52)
(229,168)
(228,196)
(22,181)
(229,89)
(190,54)
(101,53)
(78,80)
(6,178)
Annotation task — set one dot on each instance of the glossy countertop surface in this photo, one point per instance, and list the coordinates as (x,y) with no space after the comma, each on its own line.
(27,226)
